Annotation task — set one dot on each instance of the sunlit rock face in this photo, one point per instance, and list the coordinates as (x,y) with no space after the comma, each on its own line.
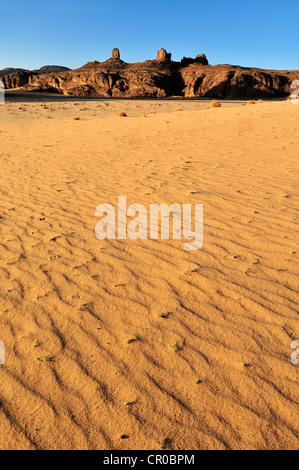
(189,78)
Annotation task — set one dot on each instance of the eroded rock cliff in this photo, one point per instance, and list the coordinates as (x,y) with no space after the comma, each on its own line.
(158,78)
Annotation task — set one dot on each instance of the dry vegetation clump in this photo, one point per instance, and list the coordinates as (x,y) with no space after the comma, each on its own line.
(215,104)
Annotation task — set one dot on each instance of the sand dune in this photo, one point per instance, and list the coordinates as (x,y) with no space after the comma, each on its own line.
(141,344)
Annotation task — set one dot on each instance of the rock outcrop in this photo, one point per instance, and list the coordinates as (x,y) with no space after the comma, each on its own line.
(163,55)
(8,71)
(17,79)
(51,69)
(115,54)
(44,69)
(190,78)
(199,59)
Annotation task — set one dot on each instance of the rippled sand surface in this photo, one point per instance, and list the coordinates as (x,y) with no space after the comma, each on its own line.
(140,344)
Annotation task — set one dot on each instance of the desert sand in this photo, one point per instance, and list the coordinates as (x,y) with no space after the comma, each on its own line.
(120,344)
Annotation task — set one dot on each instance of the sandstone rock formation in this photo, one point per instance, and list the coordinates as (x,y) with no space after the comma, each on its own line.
(44,69)
(163,55)
(17,79)
(51,68)
(9,70)
(190,78)
(115,54)
(199,59)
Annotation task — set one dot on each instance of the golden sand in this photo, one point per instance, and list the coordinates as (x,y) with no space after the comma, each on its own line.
(141,344)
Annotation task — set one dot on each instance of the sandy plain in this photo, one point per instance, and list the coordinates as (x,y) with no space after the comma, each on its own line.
(123,344)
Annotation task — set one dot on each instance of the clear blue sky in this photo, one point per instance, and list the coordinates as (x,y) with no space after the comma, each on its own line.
(260,33)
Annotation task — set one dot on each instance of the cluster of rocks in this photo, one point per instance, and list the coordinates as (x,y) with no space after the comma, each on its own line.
(162,77)
(163,55)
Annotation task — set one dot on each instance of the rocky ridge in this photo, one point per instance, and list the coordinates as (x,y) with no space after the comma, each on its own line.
(160,78)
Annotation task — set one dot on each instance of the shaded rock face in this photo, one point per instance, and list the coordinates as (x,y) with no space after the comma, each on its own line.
(163,55)
(51,68)
(8,71)
(190,78)
(229,82)
(107,81)
(199,59)
(44,69)
(17,79)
